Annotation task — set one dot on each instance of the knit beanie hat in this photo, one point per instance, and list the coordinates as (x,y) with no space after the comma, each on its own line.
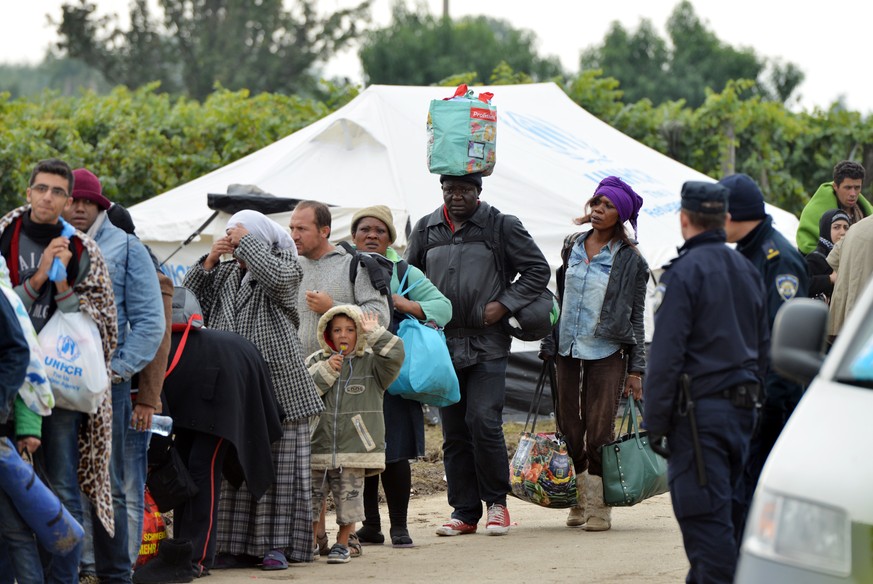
(87,186)
(746,201)
(627,202)
(380,212)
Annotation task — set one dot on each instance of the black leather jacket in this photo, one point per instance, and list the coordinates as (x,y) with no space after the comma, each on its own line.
(621,317)
(463,267)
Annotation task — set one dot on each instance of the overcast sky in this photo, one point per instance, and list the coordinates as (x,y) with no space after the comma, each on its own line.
(826,42)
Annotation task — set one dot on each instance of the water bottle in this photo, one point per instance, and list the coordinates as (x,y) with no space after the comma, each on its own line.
(162,425)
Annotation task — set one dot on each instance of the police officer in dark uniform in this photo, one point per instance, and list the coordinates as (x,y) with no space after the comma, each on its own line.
(783,271)
(708,359)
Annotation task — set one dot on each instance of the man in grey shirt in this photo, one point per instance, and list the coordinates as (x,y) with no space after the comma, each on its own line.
(326,280)
(326,283)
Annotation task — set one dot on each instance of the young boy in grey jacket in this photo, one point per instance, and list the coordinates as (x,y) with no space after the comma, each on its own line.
(357,362)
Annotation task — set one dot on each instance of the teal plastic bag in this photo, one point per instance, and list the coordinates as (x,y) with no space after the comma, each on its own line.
(427,375)
(462,134)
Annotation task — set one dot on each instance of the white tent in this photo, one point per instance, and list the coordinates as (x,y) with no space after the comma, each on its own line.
(551,154)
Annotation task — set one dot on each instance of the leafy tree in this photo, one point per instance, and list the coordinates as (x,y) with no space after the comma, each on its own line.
(142,143)
(599,95)
(639,61)
(418,48)
(683,66)
(238,44)
(62,74)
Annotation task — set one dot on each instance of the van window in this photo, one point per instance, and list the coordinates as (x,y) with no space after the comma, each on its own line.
(856,367)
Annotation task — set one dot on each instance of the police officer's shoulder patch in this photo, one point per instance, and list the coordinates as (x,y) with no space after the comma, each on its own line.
(786,285)
(770,250)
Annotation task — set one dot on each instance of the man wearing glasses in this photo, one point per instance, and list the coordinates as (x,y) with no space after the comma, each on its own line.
(31,239)
(456,247)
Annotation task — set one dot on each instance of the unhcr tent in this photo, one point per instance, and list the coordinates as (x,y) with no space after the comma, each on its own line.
(551,154)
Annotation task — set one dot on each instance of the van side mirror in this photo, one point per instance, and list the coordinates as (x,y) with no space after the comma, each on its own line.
(798,339)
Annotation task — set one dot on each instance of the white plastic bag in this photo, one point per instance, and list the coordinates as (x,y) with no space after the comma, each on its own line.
(74,361)
(35,391)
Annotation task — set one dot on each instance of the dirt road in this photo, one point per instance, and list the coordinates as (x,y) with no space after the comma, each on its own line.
(644,545)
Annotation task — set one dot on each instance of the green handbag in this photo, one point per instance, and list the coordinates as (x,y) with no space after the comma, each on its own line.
(631,471)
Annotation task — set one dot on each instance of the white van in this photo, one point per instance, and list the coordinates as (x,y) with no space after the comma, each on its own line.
(812,515)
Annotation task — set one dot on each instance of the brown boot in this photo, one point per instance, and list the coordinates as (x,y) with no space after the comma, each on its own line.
(598,517)
(576,518)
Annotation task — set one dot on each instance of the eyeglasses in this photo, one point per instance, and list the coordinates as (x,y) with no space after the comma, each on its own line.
(463,190)
(57,192)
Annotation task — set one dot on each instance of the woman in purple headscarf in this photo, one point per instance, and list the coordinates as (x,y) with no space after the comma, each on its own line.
(601,345)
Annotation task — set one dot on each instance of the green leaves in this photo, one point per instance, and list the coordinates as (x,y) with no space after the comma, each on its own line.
(196,44)
(141,142)
(418,48)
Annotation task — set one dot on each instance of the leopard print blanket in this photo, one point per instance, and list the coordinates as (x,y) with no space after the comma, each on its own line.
(95,437)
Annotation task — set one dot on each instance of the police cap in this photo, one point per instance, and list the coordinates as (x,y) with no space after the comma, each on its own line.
(704,197)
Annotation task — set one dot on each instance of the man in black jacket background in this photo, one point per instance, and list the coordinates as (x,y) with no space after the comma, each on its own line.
(471,252)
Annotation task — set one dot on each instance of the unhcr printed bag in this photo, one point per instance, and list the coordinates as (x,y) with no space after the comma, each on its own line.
(462,134)
(74,361)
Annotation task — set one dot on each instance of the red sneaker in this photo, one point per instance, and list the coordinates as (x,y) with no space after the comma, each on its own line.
(498,520)
(456,527)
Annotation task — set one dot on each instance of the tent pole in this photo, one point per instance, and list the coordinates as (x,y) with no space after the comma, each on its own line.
(191,237)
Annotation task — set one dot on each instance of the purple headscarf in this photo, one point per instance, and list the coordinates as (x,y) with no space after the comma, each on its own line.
(627,202)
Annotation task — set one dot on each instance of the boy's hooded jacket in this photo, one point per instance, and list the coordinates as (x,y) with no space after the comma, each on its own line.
(351,429)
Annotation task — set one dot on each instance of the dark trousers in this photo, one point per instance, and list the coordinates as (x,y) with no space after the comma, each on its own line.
(197,519)
(781,397)
(112,554)
(707,514)
(474,449)
(588,396)
(396,482)
(61,455)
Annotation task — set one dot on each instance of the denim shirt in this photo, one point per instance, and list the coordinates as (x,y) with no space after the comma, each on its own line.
(138,298)
(584,291)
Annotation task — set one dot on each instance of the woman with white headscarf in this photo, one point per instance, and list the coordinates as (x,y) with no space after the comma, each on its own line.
(255,295)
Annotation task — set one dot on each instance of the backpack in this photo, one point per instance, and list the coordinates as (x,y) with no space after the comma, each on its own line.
(186,309)
(531,322)
(380,269)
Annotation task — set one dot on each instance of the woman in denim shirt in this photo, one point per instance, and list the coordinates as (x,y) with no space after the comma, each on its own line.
(601,346)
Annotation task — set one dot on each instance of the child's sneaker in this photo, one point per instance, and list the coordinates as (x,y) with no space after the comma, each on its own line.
(498,520)
(339,554)
(455,527)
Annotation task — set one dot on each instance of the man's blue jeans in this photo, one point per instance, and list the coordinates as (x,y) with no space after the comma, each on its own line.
(112,556)
(474,449)
(19,554)
(60,450)
(136,448)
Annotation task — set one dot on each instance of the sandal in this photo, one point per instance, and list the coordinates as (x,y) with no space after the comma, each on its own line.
(274,560)
(355,549)
(323,544)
